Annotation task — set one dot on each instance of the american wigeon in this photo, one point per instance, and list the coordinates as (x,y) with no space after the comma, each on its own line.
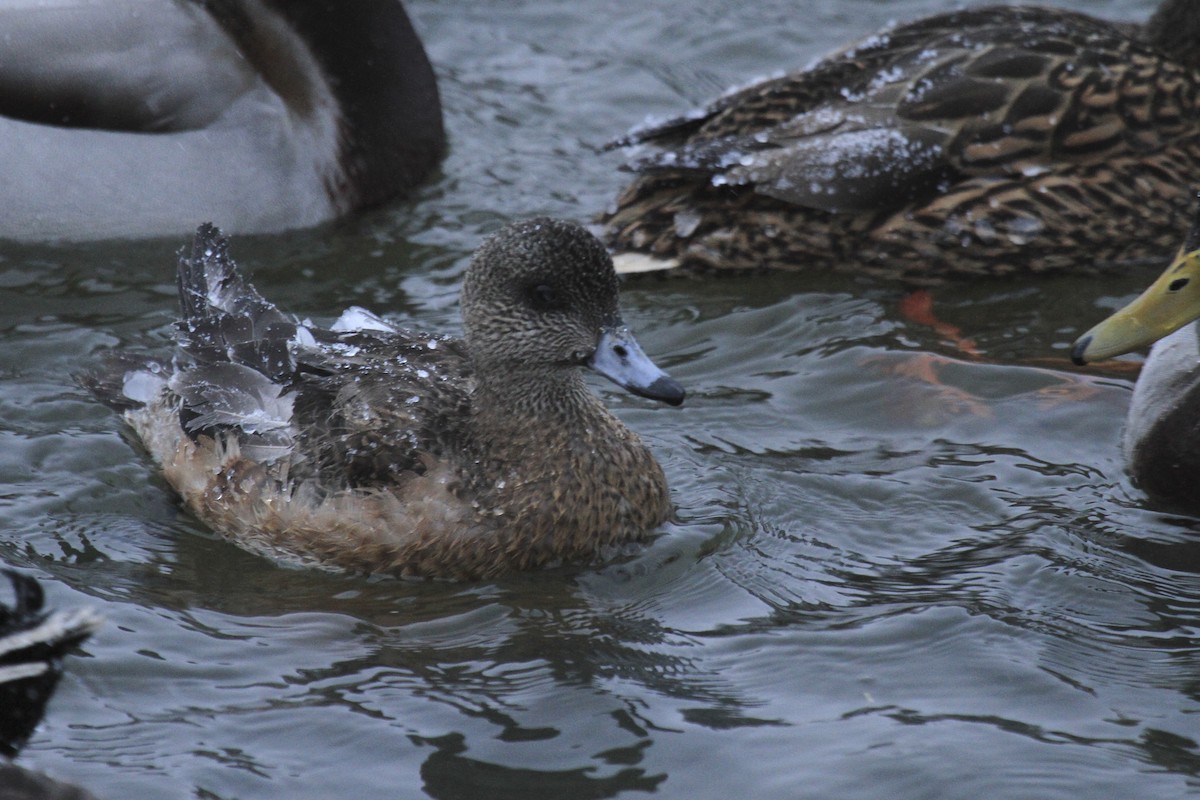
(133,118)
(985,141)
(374,449)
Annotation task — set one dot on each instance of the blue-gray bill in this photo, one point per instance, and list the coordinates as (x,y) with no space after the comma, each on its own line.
(620,358)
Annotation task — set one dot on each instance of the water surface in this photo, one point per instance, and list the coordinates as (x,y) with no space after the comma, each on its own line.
(897,570)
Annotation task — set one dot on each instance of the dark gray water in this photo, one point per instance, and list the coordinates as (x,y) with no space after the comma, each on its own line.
(897,571)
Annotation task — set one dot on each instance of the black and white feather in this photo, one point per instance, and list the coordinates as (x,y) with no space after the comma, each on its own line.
(33,643)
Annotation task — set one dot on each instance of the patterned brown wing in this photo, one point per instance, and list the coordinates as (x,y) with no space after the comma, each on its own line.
(373,406)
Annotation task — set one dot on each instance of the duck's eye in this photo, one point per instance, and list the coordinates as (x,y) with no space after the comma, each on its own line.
(1178,284)
(543,297)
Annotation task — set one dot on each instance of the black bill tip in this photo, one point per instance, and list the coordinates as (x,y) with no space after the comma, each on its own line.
(665,389)
(1078,349)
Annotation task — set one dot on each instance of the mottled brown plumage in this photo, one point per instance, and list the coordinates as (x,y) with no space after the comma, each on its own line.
(996,140)
(373,449)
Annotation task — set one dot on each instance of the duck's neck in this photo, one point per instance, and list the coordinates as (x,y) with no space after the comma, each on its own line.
(371,61)
(550,426)
(511,400)
(1175,29)
(569,478)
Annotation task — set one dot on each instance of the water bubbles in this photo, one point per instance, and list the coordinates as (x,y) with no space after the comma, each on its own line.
(1022,230)
(686,223)
(887,76)
(985,230)
(730,158)
(345,349)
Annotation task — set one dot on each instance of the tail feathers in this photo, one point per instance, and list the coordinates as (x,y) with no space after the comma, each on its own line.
(224,317)
(209,282)
(33,650)
(222,396)
(28,634)
(32,645)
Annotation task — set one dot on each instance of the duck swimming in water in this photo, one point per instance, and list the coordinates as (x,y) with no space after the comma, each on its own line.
(997,140)
(33,644)
(373,449)
(1162,431)
(134,118)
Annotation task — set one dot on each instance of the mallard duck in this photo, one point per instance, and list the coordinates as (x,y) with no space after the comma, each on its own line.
(373,449)
(986,141)
(134,118)
(17,783)
(32,646)
(1162,432)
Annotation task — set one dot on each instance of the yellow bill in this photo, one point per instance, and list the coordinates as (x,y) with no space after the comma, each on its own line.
(1171,302)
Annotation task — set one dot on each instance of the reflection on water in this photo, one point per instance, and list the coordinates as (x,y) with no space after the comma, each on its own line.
(898,568)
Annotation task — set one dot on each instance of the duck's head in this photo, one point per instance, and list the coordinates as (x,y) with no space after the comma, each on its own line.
(1174,28)
(541,297)
(1171,302)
